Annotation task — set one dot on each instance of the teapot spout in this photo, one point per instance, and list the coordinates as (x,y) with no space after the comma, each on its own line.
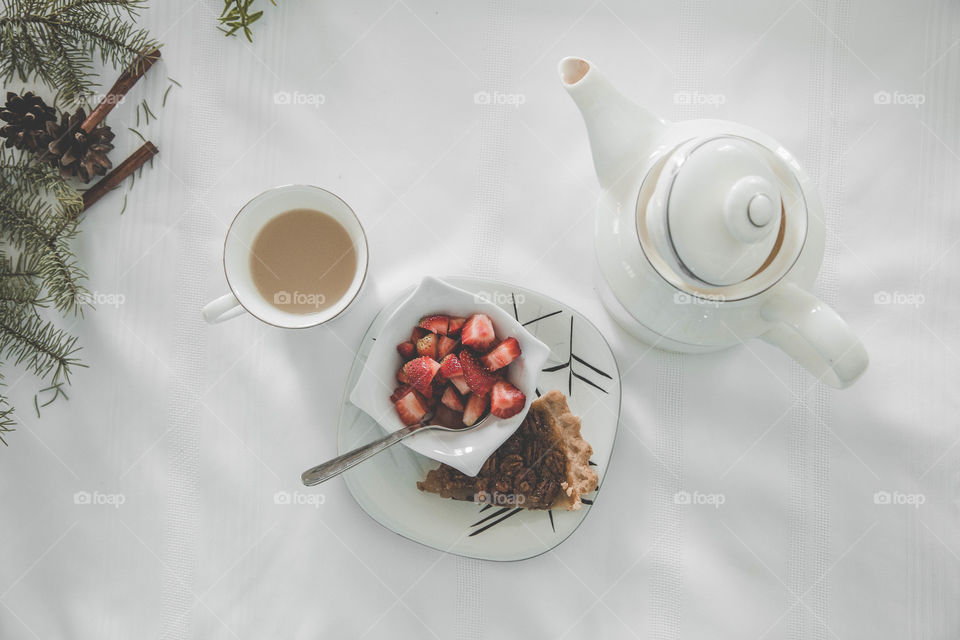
(620,131)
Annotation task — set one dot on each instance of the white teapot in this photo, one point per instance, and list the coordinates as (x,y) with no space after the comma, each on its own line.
(708,233)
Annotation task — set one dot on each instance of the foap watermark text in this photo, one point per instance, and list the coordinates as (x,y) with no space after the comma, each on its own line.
(699,498)
(695,97)
(95,498)
(895,98)
(908,299)
(299,498)
(300,298)
(709,300)
(500,297)
(495,97)
(103,298)
(899,498)
(298,98)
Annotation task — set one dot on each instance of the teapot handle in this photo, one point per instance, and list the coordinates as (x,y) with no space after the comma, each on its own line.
(812,333)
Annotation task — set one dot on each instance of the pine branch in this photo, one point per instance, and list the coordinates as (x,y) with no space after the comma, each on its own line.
(38,216)
(26,338)
(57,41)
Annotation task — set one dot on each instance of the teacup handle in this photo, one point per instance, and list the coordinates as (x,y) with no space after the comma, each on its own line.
(812,333)
(223,308)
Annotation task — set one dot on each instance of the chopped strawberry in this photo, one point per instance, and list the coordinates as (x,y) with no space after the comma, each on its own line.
(419,373)
(450,366)
(478,379)
(476,406)
(455,325)
(411,409)
(427,346)
(461,384)
(436,324)
(501,355)
(401,377)
(506,400)
(417,333)
(400,391)
(451,399)
(478,332)
(445,345)
(407,350)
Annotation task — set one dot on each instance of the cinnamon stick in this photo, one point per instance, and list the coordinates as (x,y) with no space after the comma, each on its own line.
(120,88)
(119,173)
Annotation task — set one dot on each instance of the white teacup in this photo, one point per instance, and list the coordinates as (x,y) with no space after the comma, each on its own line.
(244,295)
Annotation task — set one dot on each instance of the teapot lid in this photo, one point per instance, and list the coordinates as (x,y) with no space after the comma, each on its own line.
(720,205)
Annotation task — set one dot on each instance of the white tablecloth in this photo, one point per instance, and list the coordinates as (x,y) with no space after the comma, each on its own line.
(183,432)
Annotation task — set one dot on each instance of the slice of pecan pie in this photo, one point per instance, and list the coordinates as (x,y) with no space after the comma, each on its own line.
(543,465)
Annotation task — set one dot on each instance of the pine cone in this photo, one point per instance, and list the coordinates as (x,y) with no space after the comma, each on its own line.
(82,155)
(26,117)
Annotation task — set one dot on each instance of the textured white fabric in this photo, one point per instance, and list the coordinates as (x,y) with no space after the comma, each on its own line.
(195,428)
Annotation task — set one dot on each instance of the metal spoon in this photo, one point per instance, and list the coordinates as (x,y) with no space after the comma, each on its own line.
(336,466)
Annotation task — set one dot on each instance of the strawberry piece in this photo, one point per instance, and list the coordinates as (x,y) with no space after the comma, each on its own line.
(427,346)
(435,324)
(501,355)
(407,350)
(478,379)
(461,384)
(417,333)
(410,409)
(419,373)
(476,407)
(455,325)
(478,332)
(452,400)
(445,346)
(401,377)
(450,366)
(506,400)
(399,392)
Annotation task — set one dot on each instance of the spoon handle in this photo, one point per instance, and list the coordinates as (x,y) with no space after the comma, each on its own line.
(336,466)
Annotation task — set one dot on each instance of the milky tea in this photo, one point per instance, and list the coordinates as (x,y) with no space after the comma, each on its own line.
(303,261)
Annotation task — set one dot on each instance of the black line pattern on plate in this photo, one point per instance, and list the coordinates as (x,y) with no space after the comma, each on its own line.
(496,522)
(543,317)
(571,358)
(492,515)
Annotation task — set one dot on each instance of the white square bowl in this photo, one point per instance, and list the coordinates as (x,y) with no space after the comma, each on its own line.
(465,451)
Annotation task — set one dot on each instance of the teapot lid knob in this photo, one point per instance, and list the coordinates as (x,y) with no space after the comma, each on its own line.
(760,210)
(751,207)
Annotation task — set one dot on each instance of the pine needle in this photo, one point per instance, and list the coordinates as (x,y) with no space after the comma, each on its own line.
(236,16)
(146,110)
(137,133)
